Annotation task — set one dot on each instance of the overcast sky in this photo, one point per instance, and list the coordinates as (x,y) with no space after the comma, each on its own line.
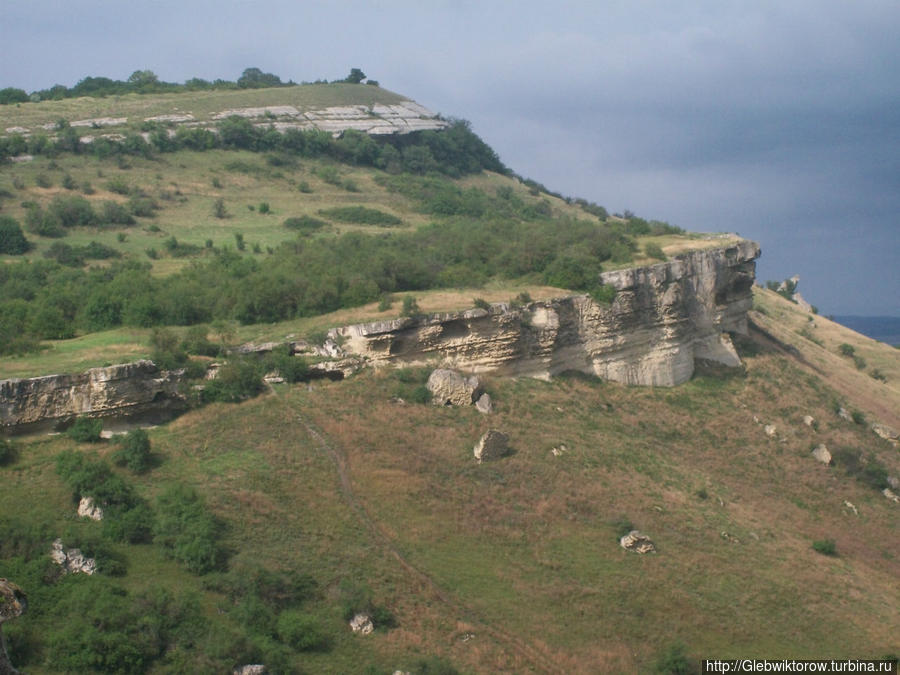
(777,119)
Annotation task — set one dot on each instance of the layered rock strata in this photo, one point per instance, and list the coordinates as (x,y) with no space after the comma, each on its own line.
(664,317)
(125,390)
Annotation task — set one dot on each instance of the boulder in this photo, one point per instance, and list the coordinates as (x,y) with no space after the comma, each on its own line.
(893,482)
(637,542)
(770,430)
(820,453)
(809,420)
(72,560)
(890,494)
(851,506)
(87,509)
(362,624)
(484,405)
(448,387)
(844,414)
(493,445)
(559,450)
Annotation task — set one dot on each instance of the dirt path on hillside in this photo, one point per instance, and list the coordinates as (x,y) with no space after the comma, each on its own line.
(541,661)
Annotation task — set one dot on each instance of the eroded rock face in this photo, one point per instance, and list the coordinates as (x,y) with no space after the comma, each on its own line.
(448,387)
(663,318)
(123,390)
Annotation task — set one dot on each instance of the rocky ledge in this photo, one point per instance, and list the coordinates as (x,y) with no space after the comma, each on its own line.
(53,401)
(663,318)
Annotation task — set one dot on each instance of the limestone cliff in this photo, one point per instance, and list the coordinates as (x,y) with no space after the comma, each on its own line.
(128,389)
(663,317)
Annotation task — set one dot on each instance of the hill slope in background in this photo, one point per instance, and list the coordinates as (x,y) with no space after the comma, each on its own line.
(259,528)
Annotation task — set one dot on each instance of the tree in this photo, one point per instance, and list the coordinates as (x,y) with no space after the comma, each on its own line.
(254,78)
(13,95)
(143,79)
(12,240)
(355,77)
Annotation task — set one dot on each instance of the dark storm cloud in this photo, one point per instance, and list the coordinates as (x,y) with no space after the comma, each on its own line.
(780,120)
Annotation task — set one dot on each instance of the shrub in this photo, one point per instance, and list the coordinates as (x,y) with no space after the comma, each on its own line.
(481,303)
(188,530)
(264,207)
(825,547)
(846,349)
(68,182)
(239,241)
(301,631)
(653,250)
(42,180)
(361,215)
(143,206)
(410,307)
(85,430)
(73,211)
(134,451)
(237,380)
(386,302)
(118,185)
(674,661)
(622,526)
(859,362)
(291,368)
(604,294)
(113,213)
(12,239)
(219,210)
(304,224)
(858,417)
(7,452)
(304,187)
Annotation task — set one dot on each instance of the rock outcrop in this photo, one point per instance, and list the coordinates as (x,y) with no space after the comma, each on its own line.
(125,390)
(72,560)
(664,317)
(87,509)
(637,542)
(362,624)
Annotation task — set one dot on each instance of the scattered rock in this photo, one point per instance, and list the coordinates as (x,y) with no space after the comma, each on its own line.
(851,507)
(493,445)
(448,387)
(770,430)
(729,537)
(886,432)
(756,419)
(87,509)
(893,482)
(890,494)
(559,450)
(484,405)
(820,453)
(637,542)
(844,414)
(809,420)
(252,669)
(362,624)
(72,560)
(273,377)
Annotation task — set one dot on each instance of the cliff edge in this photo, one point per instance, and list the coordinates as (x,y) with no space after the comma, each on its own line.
(662,319)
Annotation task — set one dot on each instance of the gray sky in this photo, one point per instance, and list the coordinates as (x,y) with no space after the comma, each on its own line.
(777,119)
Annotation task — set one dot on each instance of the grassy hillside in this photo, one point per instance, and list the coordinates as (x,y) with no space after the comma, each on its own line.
(260,527)
(514,565)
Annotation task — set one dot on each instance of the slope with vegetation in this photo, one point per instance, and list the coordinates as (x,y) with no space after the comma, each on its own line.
(252,531)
